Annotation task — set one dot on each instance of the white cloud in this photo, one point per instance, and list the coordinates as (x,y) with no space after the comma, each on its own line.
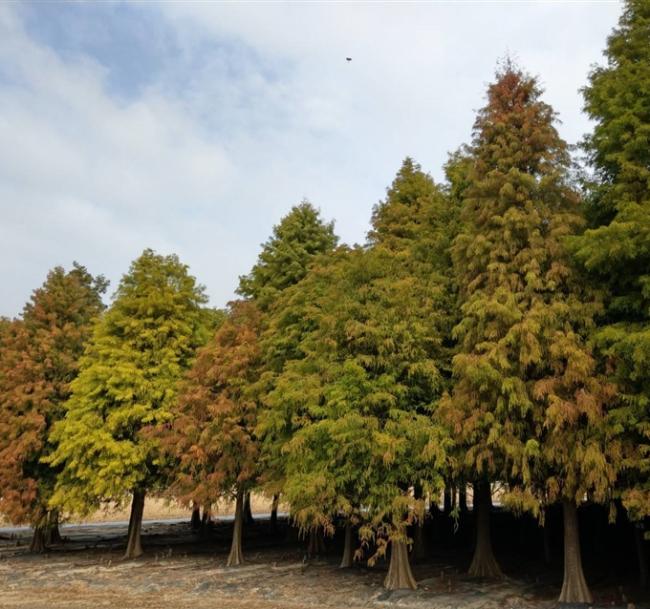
(260,110)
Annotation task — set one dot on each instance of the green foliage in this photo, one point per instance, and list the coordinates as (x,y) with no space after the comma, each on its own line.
(127,385)
(350,417)
(616,252)
(285,257)
(39,358)
(526,403)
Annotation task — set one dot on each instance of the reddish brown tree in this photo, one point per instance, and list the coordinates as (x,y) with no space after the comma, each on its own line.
(39,355)
(527,402)
(212,436)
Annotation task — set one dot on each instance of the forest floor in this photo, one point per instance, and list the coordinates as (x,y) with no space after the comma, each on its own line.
(181,569)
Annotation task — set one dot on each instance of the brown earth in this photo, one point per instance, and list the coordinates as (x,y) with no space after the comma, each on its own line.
(182,569)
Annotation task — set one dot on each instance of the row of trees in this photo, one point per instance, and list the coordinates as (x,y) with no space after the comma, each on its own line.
(493,328)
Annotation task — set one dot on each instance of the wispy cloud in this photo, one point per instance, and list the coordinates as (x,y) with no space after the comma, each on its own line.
(192,127)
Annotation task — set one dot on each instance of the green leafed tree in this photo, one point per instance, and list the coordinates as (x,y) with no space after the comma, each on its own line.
(39,358)
(285,257)
(364,355)
(211,439)
(527,401)
(615,252)
(301,237)
(127,384)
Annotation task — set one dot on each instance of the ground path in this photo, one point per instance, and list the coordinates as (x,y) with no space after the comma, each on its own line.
(181,570)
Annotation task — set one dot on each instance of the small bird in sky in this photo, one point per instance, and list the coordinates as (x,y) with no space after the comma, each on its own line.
(348,59)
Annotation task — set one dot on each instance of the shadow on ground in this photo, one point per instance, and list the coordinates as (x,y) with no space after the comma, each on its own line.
(182,568)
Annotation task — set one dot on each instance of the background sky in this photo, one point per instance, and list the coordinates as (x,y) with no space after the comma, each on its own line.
(193,127)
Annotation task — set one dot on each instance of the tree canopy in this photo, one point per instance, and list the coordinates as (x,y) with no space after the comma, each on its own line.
(615,252)
(39,359)
(297,239)
(127,384)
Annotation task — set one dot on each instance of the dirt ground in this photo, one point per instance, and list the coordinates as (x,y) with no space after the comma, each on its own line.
(182,569)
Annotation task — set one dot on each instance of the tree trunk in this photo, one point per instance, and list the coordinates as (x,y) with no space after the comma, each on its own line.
(641,554)
(348,555)
(37,546)
(195,520)
(574,587)
(434,508)
(462,498)
(316,544)
(205,520)
(274,512)
(134,543)
(236,556)
(52,533)
(399,576)
(484,563)
(419,547)
(447,499)
(248,513)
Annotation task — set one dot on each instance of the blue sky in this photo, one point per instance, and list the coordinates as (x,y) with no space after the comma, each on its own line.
(193,127)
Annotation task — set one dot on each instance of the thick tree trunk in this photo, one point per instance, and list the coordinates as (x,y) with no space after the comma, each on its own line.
(206,519)
(236,556)
(248,513)
(37,546)
(484,563)
(347,560)
(641,555)
(574,587)
(274,512)
(447,499)
(434,507)
(52,533)
(462,498)
(399,576)
(316,544)
(134,542)
(195,520)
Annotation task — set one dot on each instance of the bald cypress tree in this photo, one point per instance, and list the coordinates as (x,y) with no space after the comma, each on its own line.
(39,358)
(353,407)
(127,385)
(615,252)
(296,244)
(300,236)
(212,436)
(527,400)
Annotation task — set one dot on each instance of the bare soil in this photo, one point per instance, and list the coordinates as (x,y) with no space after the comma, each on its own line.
(182,569)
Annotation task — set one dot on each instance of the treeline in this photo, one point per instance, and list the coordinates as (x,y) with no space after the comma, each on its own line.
(493,328)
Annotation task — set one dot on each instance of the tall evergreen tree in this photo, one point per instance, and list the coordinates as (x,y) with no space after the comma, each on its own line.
(211,438)
(526,401)
(213,441)
(616,250)
(285,257)
(297,242)
(127,384)
(364,358)
(39,358)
